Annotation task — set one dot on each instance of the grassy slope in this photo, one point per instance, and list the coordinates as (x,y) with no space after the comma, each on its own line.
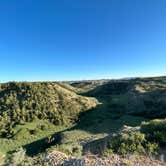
(57,96)
(112,113)
(108,117)
(23,136)
(101,121)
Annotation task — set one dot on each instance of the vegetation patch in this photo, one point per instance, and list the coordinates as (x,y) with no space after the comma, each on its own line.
(155,130)
(133,142)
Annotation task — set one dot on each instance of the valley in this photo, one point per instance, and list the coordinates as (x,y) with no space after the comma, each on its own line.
(80,118)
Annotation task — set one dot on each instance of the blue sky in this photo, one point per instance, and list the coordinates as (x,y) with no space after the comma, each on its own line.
(81,39)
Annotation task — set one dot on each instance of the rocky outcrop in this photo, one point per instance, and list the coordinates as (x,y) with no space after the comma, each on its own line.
(55,158)
(60,159)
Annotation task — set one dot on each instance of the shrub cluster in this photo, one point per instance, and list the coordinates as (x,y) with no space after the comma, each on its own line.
(133,142)
(152,135)
(155,130)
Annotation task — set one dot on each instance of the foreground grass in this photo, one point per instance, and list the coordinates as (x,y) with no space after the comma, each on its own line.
(28,133)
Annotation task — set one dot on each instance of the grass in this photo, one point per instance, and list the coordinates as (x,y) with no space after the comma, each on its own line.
(24,136)
(72,142)
(98,123)
(95,125)
(106,119)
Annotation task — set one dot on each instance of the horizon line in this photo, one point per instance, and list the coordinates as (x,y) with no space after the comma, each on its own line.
(79,80)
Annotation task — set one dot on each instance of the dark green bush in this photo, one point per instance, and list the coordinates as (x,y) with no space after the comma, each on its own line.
(133,142)
(155,130)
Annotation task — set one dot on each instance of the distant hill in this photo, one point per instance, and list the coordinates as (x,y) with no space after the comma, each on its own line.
(139,96)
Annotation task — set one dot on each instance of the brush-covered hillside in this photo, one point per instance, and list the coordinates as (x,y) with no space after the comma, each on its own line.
(31,111)
(23,102)
(112,120)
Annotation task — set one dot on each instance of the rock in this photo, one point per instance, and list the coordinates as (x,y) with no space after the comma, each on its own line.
(55,158)
(74,162)
(60,159)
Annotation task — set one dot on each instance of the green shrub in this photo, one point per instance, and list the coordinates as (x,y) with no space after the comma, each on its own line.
(133,142)
(152,148)
(155,130)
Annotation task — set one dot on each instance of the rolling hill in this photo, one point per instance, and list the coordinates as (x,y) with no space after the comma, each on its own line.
(80,117)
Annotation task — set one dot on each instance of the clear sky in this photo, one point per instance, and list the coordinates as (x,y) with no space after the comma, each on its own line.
(81,39)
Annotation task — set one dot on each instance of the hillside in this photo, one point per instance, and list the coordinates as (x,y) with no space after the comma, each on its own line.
(82,117)
(27,101)
(143,97)
(31,111)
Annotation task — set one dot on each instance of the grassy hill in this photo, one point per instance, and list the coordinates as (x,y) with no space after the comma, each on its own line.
(31,111)
(141,96)
(79,117)
(52,101)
